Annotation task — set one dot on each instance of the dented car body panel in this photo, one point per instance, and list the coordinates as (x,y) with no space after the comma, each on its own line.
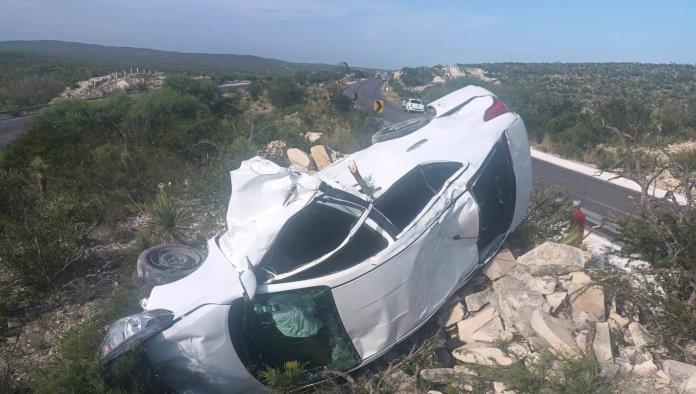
(342,274)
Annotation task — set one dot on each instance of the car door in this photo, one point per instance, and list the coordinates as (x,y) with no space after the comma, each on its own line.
(430,258)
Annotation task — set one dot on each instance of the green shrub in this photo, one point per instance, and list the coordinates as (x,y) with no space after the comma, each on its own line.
(167,219)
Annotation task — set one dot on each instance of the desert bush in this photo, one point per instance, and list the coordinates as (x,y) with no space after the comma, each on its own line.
(42,247)
(284,92)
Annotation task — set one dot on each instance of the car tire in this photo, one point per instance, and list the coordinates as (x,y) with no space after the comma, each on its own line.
(400,129)
(164,264)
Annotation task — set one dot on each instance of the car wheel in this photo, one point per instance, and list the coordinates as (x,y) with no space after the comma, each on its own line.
(400,129)
(164,264)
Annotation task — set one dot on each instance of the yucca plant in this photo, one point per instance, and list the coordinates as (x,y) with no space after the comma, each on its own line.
(167,219)
(38,169)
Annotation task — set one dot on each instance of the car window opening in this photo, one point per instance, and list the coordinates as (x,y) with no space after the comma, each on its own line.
(409,195)
(300,326)
(315,231)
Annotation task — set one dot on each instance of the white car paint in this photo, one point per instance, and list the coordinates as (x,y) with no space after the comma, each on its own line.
(380,300)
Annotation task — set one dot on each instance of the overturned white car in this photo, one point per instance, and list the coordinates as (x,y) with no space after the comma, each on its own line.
(332,270)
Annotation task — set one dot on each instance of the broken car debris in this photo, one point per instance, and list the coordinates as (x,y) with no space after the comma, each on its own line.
(331,269)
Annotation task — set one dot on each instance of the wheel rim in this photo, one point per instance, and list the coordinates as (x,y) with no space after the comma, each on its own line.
(175,258)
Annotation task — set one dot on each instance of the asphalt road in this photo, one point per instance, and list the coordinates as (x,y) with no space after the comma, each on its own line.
(11,128)
(599,199)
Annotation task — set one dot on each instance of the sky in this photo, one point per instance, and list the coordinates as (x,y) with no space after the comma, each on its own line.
(376,33)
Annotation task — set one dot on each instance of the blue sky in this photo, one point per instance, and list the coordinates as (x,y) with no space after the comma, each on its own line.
(377,33)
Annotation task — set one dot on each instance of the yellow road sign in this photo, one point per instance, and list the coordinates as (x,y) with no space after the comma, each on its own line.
(378,106)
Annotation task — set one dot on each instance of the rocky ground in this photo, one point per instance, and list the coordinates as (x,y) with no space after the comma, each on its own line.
(544,302)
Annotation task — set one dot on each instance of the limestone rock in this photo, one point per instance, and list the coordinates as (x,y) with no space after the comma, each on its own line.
(634,355)
(556,299)
(499,388)
(589,299)
(689,386)
(515,303)
(299,158)
(639,335)
(578,280)
(484,326)
(620,321)
(646,368)
(482,354)
(553,331)
(313,137)
(453,315)
(476,301)
(403,383)
(438,375)
(321,156)
(501,264)
(551,258)
(602,344)
(584,320)
(545,284)
(678,371)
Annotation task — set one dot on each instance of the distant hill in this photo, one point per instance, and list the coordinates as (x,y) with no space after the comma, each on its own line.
(114,58)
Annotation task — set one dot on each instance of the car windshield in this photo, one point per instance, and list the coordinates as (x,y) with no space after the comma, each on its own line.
(416,102)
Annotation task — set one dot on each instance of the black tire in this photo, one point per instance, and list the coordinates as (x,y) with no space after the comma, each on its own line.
(164,264)
(400,129)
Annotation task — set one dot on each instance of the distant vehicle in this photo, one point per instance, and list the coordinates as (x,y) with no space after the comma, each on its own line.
(327,272)
(412,105)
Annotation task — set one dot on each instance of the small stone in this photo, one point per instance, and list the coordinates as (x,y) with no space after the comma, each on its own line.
(662,380)
(678,371)
(299,158)
(321,156)
(452,316)
(556,299)
(492,331)
(584,320)
(481,354)
(639,335)
(434,392)
(633,355)
(646,368)
(501,264)
(578,280)
(476,301)
(553,332)
(602,344)
(499,388)
(313,137)
(591,300)
(464,370)
(551,258)
(437,375)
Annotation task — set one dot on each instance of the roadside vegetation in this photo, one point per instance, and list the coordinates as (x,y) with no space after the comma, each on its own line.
(91,184)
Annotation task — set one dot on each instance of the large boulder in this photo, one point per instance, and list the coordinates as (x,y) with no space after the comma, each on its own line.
(501,264)
(554,332)
(689,386)
(551,258)
(515,303)
(678,371)
(639,335)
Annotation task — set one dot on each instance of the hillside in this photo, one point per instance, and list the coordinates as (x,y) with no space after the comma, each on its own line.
(120,57)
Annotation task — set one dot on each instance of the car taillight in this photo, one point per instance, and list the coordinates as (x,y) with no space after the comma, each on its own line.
(496,109)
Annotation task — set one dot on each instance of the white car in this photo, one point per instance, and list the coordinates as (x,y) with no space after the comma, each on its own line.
(334,269)
(412,105)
